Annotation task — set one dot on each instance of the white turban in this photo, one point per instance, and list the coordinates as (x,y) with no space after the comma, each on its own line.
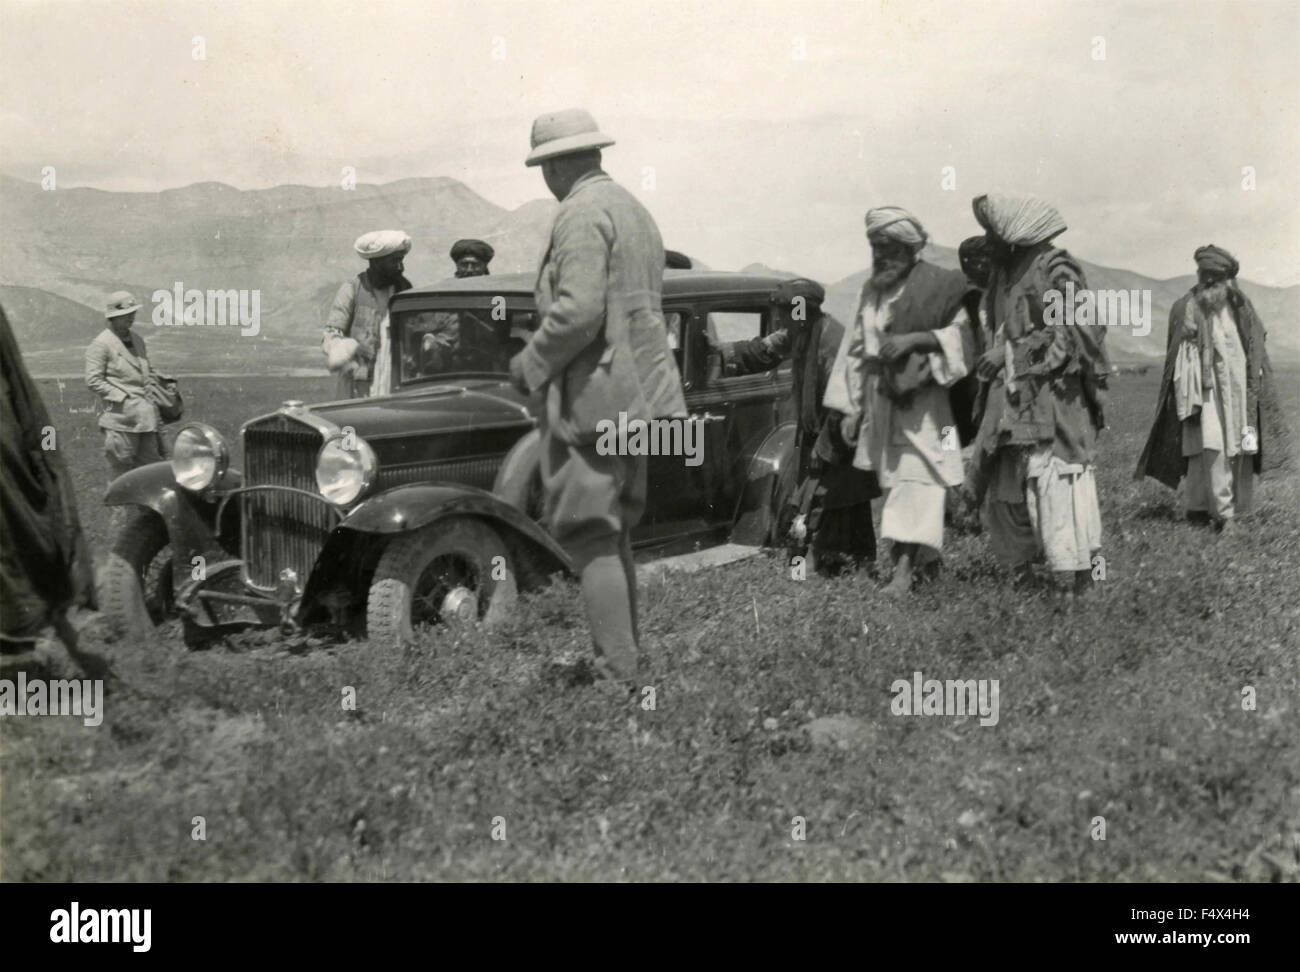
(381,243)
(896,223)
(1018,220)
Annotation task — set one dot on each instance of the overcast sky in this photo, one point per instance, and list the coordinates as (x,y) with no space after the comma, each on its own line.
(753,131)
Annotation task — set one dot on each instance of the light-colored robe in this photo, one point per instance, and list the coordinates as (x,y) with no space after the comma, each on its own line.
(913,444)
(1217,440)
(914,450)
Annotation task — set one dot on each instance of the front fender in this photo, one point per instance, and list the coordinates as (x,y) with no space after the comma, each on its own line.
(407,508)
(766,476)
(190,519)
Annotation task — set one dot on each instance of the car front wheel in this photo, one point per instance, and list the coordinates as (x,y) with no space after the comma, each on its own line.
(454,571)
(135,583)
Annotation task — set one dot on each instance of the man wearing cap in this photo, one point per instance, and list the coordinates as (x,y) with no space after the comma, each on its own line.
(1217,409)
(117,370)
(471,258)
(356,331)
(600,349)
(1037,443)
(828,512)
(909,343)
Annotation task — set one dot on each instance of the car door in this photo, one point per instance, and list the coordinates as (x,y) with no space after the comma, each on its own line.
(739,410)
(674,500)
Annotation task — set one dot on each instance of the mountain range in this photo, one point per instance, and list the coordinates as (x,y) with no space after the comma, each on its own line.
(63,251)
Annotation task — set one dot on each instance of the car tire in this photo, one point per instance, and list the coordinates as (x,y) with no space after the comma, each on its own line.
(417,572)
(135,584)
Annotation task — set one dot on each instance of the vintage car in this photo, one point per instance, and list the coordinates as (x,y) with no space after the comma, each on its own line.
(422,506)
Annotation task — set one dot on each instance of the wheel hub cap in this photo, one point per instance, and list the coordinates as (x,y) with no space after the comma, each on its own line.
(460,606)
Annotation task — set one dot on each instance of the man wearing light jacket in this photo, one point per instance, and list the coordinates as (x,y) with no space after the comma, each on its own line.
(601,348)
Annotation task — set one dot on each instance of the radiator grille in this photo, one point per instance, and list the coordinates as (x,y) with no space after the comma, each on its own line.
(281,529)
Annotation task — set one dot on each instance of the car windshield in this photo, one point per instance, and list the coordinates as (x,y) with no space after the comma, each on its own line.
(436,343)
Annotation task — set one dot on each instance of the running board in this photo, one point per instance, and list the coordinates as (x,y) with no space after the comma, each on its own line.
(688,563)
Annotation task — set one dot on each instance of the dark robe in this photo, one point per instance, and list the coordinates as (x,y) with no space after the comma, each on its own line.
(822,484)
(45,567)
(1163,458)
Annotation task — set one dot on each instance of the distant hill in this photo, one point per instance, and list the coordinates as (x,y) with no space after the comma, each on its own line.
(291,243)
(61,252)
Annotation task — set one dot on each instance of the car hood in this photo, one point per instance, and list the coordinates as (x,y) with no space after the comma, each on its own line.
(444,407)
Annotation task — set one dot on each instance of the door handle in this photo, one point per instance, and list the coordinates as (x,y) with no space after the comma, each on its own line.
(708,417)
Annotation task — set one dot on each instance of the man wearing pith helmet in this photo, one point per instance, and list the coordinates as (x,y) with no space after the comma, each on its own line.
(600,348)
(117,371)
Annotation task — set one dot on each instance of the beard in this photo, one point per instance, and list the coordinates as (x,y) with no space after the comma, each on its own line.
(1212,298)
(886,273)
(472,273)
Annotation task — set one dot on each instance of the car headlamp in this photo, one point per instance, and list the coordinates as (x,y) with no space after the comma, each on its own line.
(199,457)
(345,468)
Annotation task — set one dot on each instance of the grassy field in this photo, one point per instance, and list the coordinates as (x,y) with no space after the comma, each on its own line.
(1125,706)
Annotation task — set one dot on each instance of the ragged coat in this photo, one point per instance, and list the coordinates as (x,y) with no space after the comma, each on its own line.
(1162,458)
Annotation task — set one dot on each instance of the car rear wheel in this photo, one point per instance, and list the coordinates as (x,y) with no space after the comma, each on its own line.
(135,584)
(453,572)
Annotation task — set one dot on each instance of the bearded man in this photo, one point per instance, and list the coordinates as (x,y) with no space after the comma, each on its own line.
(909,343)
(1217,405)
(356,331)
(471,257)
(1037,443)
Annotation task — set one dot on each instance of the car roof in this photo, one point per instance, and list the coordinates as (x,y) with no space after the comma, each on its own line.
(677,283)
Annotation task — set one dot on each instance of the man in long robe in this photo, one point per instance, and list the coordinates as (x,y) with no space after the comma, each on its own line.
(828,511)
(1217,422)
(910,341)
(1037,444)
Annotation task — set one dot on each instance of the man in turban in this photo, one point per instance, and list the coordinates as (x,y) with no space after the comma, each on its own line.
(828,508)
(600,351)
(471,257)
(909,343)
(356,331)
(433,338)
(1217,422)
(1037,444)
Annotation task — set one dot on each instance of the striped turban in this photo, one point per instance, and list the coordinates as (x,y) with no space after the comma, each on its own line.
(896,223)
(1217,259)
(1018,220)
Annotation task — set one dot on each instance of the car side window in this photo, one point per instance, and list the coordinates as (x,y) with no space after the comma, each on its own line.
(729,327)
(735,343)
